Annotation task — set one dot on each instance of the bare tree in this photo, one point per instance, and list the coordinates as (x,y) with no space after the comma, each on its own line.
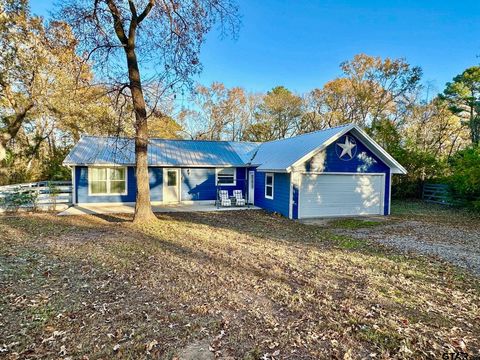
(164,36)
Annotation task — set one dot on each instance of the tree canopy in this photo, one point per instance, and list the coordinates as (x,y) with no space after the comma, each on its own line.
(463,97)
(46,92)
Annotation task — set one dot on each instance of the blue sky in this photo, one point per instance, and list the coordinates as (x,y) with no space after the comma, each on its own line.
(300,44)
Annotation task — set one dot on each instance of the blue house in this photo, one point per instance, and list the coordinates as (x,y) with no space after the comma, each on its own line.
(334,172)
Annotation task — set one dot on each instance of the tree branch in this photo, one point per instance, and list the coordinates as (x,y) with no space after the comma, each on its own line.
(117,22)
(146,11)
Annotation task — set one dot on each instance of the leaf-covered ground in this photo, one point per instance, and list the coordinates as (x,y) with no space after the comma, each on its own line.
(244,284)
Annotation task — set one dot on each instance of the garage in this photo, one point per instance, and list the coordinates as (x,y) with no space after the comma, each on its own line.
(345,194)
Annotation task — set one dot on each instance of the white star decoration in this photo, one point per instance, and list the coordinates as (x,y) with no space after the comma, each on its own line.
(346,147)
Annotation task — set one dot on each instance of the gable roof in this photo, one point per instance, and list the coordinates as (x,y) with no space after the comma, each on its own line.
(283,155)
(97,150)
(277,156)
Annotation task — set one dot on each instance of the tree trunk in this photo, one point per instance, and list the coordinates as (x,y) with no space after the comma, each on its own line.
(143,207)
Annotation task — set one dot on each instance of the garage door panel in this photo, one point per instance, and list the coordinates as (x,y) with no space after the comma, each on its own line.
(337,195)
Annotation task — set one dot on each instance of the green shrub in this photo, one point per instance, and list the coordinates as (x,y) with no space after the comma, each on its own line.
(465,178)
(421,166)
(15,200)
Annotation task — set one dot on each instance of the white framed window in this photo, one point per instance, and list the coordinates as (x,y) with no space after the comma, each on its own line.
(269,179)
(107,180)
(226,177)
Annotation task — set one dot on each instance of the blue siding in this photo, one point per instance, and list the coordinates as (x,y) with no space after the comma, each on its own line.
(156,183)
(198,184)
(281,193)
(295,202)
(387,192)
(240,185)
(364,161)
(81,184)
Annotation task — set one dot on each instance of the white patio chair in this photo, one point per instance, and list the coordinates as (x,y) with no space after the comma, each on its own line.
(239,200)
(224,200)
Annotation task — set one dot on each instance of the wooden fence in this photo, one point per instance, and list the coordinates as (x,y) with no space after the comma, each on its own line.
(437,193)
(44,195)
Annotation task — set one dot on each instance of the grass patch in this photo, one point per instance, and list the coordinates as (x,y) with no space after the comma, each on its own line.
(347,242)
(387,341)
(415,208)
(352,224)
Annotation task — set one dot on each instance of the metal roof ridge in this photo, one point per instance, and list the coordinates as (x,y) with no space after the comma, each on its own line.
(309,133)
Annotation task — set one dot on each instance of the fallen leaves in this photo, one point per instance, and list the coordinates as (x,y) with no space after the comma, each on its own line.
(245,284)
(151,345)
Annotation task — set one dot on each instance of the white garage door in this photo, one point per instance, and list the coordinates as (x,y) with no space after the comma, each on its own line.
(341,195)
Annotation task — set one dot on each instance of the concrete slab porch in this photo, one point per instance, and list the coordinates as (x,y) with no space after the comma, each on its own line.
(130,208)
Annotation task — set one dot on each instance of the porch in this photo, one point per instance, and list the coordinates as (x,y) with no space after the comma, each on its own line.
(95,209)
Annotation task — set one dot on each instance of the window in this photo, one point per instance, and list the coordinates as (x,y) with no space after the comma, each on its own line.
(172,178)
(269,186)
(107,181)
(226,176)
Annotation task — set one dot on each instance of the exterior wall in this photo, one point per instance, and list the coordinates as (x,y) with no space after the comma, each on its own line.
(295,196)
(241,183)
(388,189)
(156,183)
(281,193)
(364,161)
(81,184)
(196,184)
(199,184)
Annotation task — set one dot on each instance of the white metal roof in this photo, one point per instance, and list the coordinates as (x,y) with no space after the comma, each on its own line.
(95,150)
(279,155)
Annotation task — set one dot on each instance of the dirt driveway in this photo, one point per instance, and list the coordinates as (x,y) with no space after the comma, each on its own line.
(449,235)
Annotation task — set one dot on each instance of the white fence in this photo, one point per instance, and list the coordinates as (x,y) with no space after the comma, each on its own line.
(43,195)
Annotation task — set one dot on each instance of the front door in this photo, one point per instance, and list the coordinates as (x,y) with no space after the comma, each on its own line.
(251,187)
(171,185)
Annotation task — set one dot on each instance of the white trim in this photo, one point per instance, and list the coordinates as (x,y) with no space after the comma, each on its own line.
(248,188)
(382,193)
(74,190)
(108,181)
(389,195)
(320,148)
(217,170)
(299,185)
(295,180)
(376,146)
(397,168)
(394,165)
(273,186)
(339,173)
(165,185)
(280,171)
(290,199)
